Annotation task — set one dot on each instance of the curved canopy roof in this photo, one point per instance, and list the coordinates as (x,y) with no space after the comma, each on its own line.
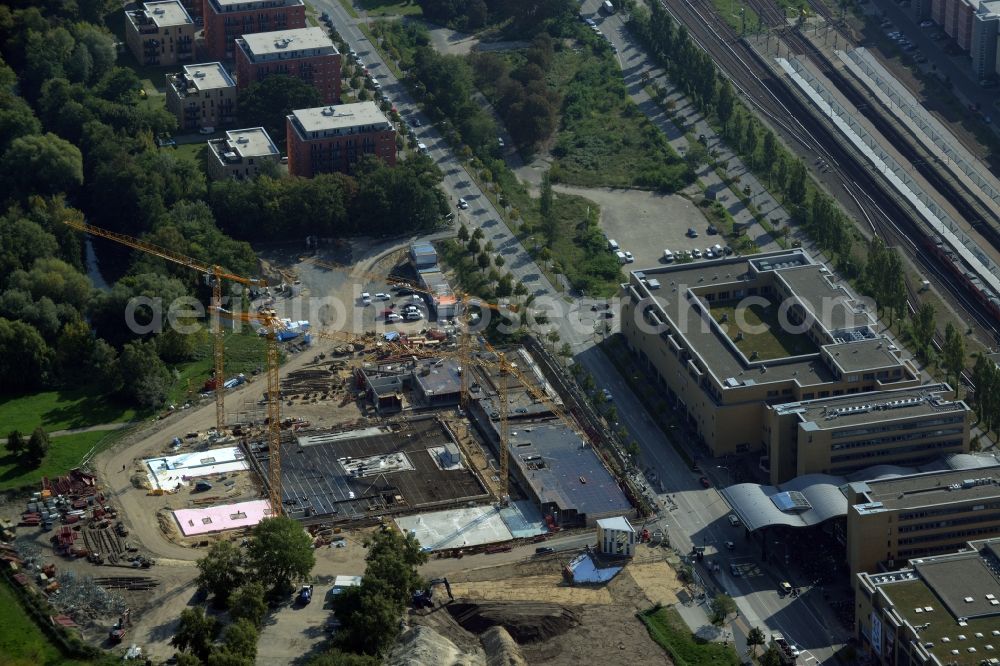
(814,498)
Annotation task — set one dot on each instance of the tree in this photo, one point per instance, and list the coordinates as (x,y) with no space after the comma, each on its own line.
(771,657)
(38,446)
(722,606)
(145,379)
(280,552)
(195,633)
(268,102)
(42,164)
(463,233)
(225,657)
(953,354)
(922,328)
(370,612)
(25,358)
(499,261)
(221,570)
(15,443)
(483,261)
(240,638)
(796,185)
(755,637)
(248,603)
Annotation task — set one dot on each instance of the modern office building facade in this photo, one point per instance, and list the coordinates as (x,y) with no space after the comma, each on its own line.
(722,360)
(892,520)
(844,434)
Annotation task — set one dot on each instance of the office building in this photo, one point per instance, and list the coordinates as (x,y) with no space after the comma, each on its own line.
(202,96)
(727,339)
(892,520)
(329,139)
(848,433)
(162,33)
(306,53)
(226,20)
(941,610)
(241,154)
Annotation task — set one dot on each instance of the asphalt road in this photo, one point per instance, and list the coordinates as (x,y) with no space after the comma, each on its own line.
(699,516)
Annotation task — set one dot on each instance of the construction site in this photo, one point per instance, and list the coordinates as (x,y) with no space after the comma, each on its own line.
(479,452)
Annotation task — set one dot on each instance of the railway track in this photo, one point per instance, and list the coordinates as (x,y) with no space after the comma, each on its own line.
(867,200)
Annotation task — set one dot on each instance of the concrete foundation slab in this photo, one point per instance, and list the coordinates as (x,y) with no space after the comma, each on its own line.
(456,528)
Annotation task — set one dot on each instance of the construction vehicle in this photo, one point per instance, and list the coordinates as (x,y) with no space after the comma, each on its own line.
(118,632)
(213,274)
(424,598)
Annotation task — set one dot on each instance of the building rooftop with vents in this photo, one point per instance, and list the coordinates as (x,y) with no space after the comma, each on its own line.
(343,119)
(201,77)
(727,337)
(164,14)
(286,44)
(939,610)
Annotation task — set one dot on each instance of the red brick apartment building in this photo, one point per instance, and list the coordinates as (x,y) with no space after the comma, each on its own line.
(305,53)
(332,138)
(225,20)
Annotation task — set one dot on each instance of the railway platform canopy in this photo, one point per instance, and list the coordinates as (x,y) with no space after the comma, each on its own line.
(812,499)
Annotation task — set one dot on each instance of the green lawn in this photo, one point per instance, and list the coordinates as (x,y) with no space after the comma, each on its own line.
(22,643)
(604,139)
(666,627)
(244,353)
(390,7)
(60,410)
(65,453)
(772,343)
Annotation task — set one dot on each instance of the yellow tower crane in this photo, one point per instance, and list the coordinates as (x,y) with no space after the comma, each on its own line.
(269,320)
(214,273)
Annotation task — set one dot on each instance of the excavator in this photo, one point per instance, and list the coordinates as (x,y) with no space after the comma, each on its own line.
(424,598)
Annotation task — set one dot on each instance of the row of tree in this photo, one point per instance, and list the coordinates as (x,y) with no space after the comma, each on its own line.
(374,200)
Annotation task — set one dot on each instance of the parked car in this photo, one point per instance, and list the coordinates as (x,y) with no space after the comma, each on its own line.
(414,315)
(712,231)
(500,141)
(305,594)
(544,550)
(629,259)
(734,520)
(207,130)
(612,244)
(692,233)
(622,259)
(462,203)
(668,256)
(366,298)
(705,483)
(380,296)
(696,253)
(926,23)
(393,317)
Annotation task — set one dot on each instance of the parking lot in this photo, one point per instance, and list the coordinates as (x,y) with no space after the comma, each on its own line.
(647,223)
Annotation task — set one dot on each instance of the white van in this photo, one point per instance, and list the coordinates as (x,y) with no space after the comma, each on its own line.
(413,316)
(607,7)
(366,298)
(422,147)
(668,256)
(622,259)
(612,244)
